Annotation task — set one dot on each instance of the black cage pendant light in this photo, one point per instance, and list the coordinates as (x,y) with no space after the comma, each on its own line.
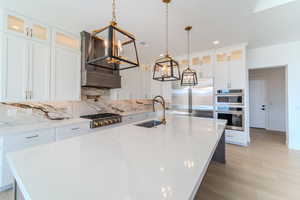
(189,76)
(112,48)
(166,68)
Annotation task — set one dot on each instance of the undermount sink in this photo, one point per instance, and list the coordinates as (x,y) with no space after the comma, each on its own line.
(150,124)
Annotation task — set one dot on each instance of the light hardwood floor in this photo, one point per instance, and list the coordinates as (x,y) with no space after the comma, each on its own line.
(266,170)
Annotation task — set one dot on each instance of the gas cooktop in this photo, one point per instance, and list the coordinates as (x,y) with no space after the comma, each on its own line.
(103,119)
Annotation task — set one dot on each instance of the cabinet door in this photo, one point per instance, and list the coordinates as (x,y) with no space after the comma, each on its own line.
(72,131)
(15,74)
(64,40)
(40,72)
(1,67)
(221,71)
(66,75)
(39,32)
(1,20)
(20,142)
(237,70)
(16,25)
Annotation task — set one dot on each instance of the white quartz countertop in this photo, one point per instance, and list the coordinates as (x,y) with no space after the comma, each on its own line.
(122,163)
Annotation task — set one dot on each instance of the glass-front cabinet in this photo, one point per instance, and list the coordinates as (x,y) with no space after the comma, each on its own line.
(16,24)
(67,41)
(22,26)
(39,32)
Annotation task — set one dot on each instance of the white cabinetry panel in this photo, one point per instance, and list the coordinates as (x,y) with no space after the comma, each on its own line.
(1,20)
(19,142)
(66,75)
(72,131)
(237,73)
(230,69)
(15,69)
(40,72)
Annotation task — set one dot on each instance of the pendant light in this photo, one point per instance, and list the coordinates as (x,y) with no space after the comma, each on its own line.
(189,76)
(112,48)
(166,68)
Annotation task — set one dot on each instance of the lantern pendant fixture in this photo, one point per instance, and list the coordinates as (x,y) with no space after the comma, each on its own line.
(112,48)
(166,68)
(189,76)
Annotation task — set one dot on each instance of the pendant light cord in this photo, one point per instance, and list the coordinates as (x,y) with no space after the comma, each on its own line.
(114,16)
(167,29)
(189,48)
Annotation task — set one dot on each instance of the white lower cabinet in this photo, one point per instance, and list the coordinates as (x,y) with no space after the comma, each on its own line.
(236,137)
(19,142)
(72,131)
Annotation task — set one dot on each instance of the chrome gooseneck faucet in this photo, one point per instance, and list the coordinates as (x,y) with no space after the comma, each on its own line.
(162,102)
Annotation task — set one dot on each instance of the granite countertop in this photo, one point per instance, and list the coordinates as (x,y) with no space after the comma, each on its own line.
(128,162)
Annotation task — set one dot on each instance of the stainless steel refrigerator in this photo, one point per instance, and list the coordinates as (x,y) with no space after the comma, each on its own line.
(196,101)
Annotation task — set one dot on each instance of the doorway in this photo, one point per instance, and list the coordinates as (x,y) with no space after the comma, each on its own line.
(267,99)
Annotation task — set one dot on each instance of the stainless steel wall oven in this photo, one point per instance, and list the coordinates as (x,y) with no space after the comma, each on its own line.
(230,97)
(233,115)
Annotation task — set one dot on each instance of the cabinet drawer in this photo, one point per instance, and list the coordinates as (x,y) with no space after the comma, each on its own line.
(236,137)
(20,142)
(29,139)
(72,131)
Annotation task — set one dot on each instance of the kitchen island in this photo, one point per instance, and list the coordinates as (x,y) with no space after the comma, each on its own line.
(124,163)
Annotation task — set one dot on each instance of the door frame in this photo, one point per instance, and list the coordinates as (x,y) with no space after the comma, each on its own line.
(285,67)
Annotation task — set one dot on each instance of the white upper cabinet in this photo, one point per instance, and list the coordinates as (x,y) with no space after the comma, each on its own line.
(39,81)
(26,70)
(221,71)
(66,67)
(22,26)
(66,41)
(15,70)
(1,20)
(135,84)
(237,73)
(65,75)
(40,32)
(16,24)
(230,69)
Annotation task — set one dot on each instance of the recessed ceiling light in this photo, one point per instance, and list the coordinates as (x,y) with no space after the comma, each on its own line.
(216,42)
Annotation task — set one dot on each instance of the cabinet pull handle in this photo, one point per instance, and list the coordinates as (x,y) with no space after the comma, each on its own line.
(34,136)
(30,32)
(75,129)
(27,31)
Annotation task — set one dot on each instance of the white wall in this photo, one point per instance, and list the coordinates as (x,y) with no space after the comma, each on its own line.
(275,96)
(287,54)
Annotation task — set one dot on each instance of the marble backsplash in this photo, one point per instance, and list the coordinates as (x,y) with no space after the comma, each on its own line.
(93,101)
(29,112)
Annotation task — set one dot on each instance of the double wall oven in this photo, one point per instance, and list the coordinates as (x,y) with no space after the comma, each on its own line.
(230,107)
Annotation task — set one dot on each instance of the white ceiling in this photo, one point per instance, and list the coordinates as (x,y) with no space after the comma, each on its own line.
(230,21)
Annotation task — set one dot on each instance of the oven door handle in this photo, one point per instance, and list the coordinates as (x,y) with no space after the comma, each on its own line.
(233,113)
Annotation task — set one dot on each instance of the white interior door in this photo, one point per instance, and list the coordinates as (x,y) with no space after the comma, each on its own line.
(257,104)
